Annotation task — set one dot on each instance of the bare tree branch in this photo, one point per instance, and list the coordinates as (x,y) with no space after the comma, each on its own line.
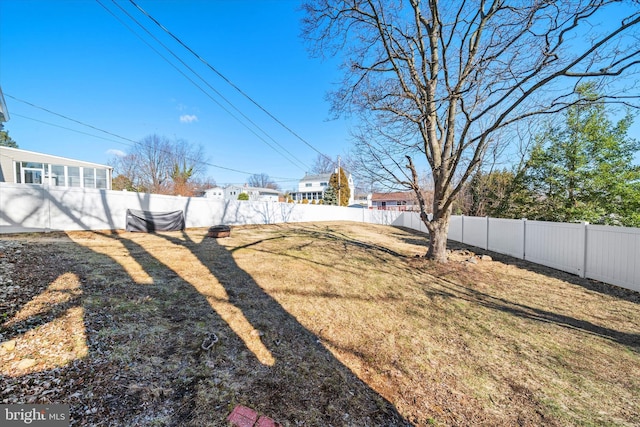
(444,79)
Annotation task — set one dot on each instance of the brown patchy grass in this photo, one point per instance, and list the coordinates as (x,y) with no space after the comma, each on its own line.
(316,324)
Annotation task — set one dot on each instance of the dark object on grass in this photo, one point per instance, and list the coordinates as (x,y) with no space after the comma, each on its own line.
(154,221)
(218,231)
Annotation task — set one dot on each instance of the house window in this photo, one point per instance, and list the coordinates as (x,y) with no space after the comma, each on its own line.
(32,176)
(29,172)
(57,176)
(308,184)
(324,184)
(74,176)
(101,178)
(89,177)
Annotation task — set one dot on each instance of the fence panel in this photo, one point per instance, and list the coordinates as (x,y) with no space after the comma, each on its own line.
(475,231)
(613,255)
(557,245)
(506,236)
(412,220)
(608,254)
(455,228)
(23,208)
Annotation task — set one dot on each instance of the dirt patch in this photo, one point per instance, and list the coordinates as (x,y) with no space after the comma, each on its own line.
(328,324)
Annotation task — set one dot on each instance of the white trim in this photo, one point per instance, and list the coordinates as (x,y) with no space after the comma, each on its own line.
(66,159)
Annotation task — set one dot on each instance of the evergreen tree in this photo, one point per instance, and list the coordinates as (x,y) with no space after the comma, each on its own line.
(583,170)
(180,176)
(6,140)
(341,186)
(330,197)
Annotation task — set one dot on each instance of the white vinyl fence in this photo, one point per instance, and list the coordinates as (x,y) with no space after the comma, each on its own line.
(607,254)
(41,208)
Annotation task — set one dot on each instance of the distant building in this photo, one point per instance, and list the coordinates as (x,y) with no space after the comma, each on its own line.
(231,192)
(396,201)
(214,193)
(312,188)
(29,167)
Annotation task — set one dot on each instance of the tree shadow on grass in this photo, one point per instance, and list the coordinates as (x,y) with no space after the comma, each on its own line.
(422,239)
(303,384)
(142,328)
(452,289)
(589,284)
(179,339)
(455,290)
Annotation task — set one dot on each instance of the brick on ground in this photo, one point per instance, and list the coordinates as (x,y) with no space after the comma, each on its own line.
(241,416)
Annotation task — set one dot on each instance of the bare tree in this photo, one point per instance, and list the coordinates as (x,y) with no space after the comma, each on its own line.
(436,83)
(159,165)
(262,180)
(323,164)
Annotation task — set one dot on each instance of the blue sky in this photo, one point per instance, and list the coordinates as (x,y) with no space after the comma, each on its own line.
(75,59)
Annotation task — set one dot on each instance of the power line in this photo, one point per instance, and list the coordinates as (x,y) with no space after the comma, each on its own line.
(201,59)
(69,129)
(68,118)
(304,166)
(117,136)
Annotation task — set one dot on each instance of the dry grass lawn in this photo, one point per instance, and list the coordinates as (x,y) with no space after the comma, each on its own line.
(327,324)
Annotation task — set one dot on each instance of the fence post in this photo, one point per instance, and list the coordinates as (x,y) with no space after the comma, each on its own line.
(583,273)
(46,203)
(524,238)
(486,244)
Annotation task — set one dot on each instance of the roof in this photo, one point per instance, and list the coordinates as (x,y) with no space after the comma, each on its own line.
(258,189)
(398,195)
(16,152)
(319,177)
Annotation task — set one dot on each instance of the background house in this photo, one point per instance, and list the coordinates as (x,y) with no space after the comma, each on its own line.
(312,188)
(28,167)
(231,192)
(396,201)
(214,193)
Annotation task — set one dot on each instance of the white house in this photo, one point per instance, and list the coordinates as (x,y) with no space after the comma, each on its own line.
(231,192)
(29,167)
(312,188)
(214,193)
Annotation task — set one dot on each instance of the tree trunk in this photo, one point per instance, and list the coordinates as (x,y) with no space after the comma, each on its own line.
(438,232)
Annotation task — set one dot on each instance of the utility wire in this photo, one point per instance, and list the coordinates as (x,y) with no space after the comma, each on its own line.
(304,166)
(68,118)
(69,129)
(117,136)
(201,59)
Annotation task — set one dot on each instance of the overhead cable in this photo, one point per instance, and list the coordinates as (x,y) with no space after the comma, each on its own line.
(117,136)
(201,59)
(206,83)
